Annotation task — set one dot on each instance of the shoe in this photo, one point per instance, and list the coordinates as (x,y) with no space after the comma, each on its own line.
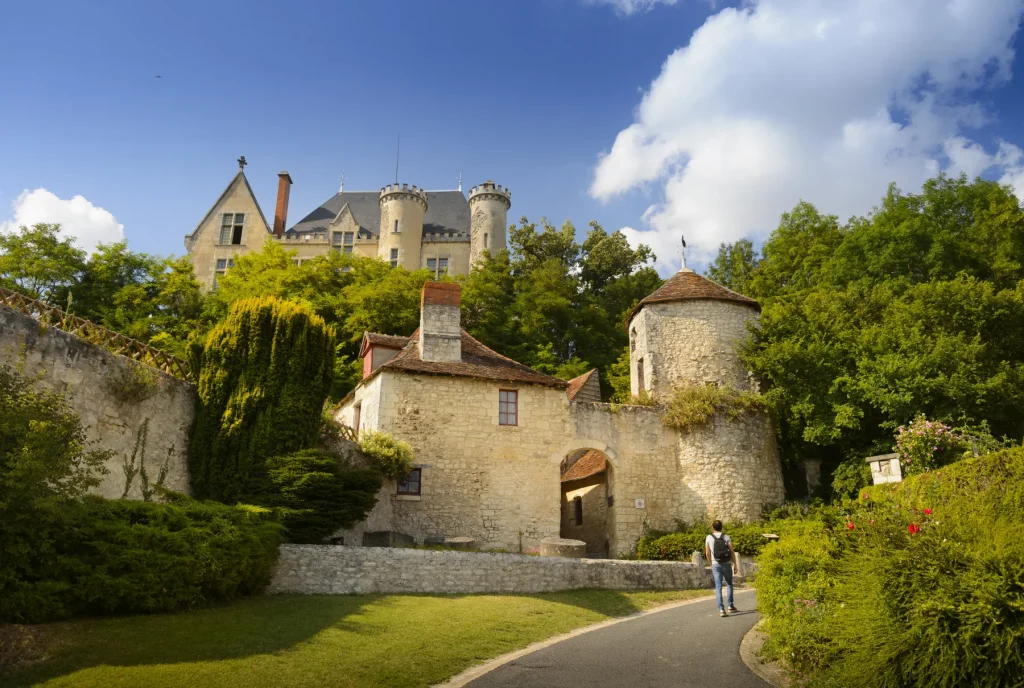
(722,613)
(733,609)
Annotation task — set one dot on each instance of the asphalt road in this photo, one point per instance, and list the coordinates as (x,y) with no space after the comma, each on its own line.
(681,647)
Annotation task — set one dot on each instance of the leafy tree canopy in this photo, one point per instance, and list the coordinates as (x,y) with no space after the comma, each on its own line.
(917,308)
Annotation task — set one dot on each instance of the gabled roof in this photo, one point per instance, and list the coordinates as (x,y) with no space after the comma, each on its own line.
(388,341)
(477,362)
(447,212)
(687,285)
(591,463)
(238,177)
(578,383)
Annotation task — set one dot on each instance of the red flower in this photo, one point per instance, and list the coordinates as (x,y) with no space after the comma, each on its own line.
(913,528)
(928,512)
(849,526)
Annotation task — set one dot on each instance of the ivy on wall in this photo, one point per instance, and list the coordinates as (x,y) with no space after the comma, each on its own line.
(263,373)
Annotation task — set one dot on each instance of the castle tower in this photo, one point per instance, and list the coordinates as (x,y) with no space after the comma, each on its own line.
(488,212)
(401,225)
(689,331)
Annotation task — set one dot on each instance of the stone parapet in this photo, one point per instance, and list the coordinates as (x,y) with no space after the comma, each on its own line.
(339,570)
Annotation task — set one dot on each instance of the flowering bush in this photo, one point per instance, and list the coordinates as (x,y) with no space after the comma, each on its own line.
(924,445)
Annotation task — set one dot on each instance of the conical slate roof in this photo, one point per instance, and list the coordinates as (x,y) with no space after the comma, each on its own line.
(686,285)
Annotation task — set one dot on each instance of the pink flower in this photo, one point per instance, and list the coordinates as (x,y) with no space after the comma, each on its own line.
(871,520)
(865,496)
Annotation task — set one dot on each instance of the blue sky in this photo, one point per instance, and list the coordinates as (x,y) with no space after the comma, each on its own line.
(574,105)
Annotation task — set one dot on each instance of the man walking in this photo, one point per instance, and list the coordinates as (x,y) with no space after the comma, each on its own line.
(718,550)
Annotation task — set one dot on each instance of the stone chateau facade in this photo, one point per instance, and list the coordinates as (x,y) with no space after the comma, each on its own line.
(442,231)
(509,456)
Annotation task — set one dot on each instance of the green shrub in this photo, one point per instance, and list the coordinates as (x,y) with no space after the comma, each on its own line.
(319,496)
(392,457)
(850,477)
(107,556)
(747,539)
(264,373)
(692,406)
(912,584)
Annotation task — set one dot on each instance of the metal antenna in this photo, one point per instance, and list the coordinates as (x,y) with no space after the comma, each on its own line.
(460,181)
(342,189)
(398,151)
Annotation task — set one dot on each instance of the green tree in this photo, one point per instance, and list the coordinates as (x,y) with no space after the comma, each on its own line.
(40,262)
(264,373)
(734,264)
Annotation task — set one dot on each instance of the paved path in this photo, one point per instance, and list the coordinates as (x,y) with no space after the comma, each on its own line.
(681,647)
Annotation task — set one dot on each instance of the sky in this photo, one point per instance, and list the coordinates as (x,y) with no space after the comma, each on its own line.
(663,118)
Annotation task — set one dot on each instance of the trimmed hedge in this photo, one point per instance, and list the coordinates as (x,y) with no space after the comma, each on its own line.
(111,556)
(918,584)
(747,539)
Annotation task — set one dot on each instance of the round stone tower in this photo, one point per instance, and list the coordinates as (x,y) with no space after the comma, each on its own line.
(689,331)
(488,212)
(401,225)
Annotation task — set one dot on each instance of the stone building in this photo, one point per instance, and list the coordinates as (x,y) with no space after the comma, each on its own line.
(503,451)
(442,231)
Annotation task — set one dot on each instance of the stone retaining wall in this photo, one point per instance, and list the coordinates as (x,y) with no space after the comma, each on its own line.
(342,570)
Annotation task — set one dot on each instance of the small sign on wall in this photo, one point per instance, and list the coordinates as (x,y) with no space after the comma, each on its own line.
(639,503)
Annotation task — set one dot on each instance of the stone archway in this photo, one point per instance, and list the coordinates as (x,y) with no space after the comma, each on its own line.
(585,499)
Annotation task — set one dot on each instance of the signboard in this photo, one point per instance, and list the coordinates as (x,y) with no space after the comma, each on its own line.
(639,503)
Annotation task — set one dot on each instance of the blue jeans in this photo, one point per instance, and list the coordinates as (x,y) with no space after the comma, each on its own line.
(720,572)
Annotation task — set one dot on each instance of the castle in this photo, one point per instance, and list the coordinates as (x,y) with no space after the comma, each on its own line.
(509,456)
(404,225)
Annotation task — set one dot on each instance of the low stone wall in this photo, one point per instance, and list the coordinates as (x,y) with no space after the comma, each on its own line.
(342,570)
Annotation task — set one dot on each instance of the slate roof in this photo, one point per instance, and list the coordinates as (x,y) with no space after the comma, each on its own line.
(576,384)
(477,362)
(591,463)
(386,340)
(686,285)
(447,212)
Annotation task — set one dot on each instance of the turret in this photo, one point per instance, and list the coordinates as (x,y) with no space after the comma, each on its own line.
(401,225)
(488,212)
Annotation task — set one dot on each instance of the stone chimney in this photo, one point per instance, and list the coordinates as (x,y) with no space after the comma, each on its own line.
(440,323)
(284,188)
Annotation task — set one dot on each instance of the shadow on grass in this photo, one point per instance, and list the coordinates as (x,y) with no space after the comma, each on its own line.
(254,626)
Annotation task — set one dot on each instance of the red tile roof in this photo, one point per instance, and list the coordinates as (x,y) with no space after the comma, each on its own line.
(687,285)
(577,383)
(591,463)
(477,362)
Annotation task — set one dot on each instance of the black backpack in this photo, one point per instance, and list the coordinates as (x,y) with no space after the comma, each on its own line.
(721,550)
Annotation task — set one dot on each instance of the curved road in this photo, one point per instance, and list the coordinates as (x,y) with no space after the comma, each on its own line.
(681,647)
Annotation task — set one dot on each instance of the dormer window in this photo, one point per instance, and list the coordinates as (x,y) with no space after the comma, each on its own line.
(231,228)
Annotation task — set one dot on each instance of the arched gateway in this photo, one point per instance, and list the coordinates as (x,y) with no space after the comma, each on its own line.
(503,451)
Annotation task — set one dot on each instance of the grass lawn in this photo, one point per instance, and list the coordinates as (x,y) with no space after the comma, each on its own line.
(287,640)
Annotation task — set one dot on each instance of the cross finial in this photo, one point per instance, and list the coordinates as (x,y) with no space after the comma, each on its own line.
(684,251)
(241,162)
(341,189)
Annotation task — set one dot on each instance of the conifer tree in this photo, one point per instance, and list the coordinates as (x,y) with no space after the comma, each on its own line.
(264,373)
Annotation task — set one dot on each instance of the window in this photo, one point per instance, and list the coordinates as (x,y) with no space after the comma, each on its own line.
(222,263)
(356,418)
(348,238)
(485,239)
(508,407)
(336,238)
(395,230)
(394,257)
(410,484)
(640,374)
(577,505)
(438,266)
(231,228)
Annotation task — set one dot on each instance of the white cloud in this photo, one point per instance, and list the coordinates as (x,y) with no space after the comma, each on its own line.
(829,102)
(631,6)
(89,224)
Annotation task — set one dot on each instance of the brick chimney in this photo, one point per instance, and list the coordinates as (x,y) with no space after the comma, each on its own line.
(440,323)
(284,188)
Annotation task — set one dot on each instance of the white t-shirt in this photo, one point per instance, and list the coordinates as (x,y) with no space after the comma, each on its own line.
(709,542)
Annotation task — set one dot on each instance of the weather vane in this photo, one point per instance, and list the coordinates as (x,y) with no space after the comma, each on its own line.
(684,251)
(241,162)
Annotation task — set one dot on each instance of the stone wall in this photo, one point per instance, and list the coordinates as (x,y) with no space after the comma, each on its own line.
(689,341)
(119,409)
(501,484)
(325,569)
